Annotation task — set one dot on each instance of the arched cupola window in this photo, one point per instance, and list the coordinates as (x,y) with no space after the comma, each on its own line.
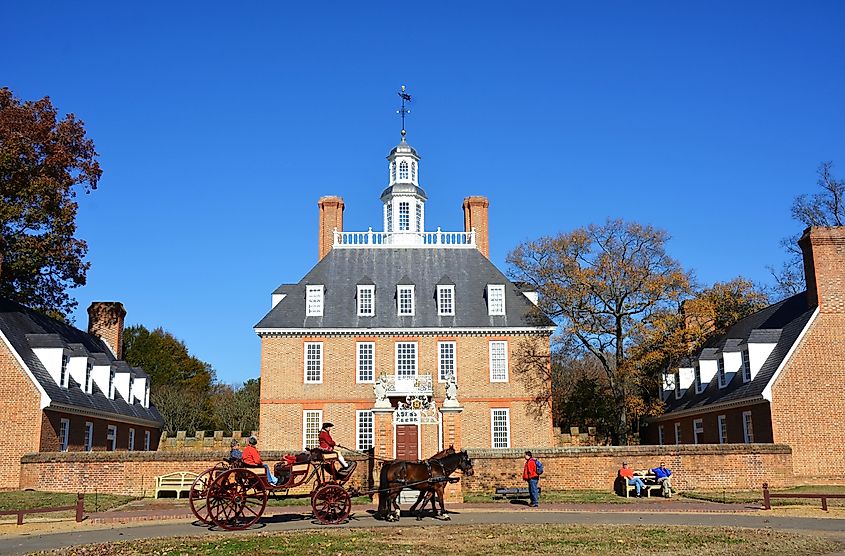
(413,171)
(392,171)
(403,170)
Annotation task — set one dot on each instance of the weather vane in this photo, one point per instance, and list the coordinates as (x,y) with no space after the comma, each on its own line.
(404,109)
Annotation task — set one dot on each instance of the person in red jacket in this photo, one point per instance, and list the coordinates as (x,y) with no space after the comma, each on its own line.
(252,458)
(327,444)
(529,473)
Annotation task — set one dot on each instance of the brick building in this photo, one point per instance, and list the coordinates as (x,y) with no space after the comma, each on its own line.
(407,340)
(775,376)
(62,389)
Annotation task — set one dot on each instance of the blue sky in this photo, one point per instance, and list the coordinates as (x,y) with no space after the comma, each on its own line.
(219,125)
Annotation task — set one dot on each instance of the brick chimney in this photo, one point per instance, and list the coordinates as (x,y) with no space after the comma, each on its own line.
(105,320)
(824,261)
(475,216)
(331,217)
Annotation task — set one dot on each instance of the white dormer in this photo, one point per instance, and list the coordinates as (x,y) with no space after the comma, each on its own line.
(760,346)
(314,300)
(707,369)
(139,389)
(495,299)
(122,378)
(686,376)
(533,297)
(276,298)
(733,364)
(78,367)
(50,351)
(100,370)
(668,384)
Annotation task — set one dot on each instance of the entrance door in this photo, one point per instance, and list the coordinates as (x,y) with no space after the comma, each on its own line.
(407,441)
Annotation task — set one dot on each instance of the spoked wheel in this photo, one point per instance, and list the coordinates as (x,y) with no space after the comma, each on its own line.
(198,496)
(236,499)
(331,503)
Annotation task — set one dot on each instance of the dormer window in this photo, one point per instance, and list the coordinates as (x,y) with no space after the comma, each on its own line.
(111,383)
(495,300)
(698,380)
(405,300)
(314,301)
(404,216)
(88,368)
(366,301)
(677,385)
(403,170)
(63,374)
(129,391)
(746,367)
(446,300)
(722,378)
(147,399)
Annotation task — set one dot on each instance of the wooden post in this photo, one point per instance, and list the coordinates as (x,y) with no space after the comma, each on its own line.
(767,502)
(80,506)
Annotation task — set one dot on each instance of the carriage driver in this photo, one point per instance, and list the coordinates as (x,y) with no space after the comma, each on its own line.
(252,458)
(327,444)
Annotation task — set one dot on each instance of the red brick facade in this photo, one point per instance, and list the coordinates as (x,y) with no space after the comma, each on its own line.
(475,216)
(331,217)
(51,427)
(761,426)
(20,427)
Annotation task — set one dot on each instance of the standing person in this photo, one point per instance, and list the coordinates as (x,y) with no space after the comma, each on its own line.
(252,458)
(663,473)
(529,473)
(327,444)
(628,474)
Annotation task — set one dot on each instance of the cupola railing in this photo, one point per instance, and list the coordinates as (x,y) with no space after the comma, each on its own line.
(435,239)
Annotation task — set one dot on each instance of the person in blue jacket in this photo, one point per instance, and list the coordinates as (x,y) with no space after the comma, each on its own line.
(663,475)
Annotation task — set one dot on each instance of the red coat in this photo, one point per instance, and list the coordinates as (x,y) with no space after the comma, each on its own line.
(530,470)
(326,442)
(251,456)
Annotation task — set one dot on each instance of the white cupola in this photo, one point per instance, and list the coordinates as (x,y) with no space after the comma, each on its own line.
(404,199)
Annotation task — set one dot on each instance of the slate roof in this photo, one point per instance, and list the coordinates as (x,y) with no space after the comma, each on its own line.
(781,323)
(342,269)
(22,325)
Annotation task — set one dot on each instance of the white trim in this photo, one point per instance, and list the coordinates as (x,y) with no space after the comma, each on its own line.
(696,380)
(696,430)
(721,373)
(490,360)
(745,423)
(64,434)
(147,441)
(454,359)
(546,330)
(677,433)
(767,391)
(45,399)
(507,411)
(131,444)
(89,436)
(399,289)
(497,287)
(722,423)
(358,414)
(319,412)
(305,362)
(109,430)
(451,290)
(746,366)
(319,289)
(358,362)
(372,291)
(396,358)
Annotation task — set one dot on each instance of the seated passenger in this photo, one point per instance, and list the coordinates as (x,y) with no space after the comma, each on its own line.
(252,458)
(327,444)
(663,475)
(235,451)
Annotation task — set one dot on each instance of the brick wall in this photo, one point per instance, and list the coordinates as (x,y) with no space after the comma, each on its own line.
(20,426)
(475,216)
(702,467)
(284,395)
(331,217)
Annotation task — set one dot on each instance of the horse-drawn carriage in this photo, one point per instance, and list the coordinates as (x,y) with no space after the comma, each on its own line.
(234,497)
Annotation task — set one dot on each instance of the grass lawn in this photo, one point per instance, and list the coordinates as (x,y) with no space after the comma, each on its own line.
(756,496)
(562,496)
(502,540)
(28,499)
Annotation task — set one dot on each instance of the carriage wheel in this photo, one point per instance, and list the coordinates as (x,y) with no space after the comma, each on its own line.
(198,496)
(331,504)
(236,499)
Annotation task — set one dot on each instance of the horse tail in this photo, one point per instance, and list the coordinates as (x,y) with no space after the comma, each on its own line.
(383,488)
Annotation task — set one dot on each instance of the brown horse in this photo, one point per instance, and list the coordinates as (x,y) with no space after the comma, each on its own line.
(431,473)
(429,494)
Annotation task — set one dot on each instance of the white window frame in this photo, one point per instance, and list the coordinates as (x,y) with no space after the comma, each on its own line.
(89,369)
(359,346)
(416,359)
(490,350)
(371,292)
(314,300)
(441,376)
(698,385)
(64,434)
(419,214)
(147,441)
(404,216)
(495,310)
(747,427)
(697,429)
(403,170)
(720,372)
(507,414)
(661,435)
(89,436)
(318,413)
(131,439)
(723,429)
(400,289)
(111,383)
(305,354)
(364,439)
(746,367)
(64,375)
(446,293)
(677,433)
(111,438)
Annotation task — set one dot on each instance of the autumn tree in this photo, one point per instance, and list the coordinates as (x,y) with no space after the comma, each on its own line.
(45,161)
(601,284)
(824,208)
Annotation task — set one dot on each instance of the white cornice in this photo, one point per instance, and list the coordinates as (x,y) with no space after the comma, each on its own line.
(45,399)
(88,412)
(767,391)
(545,330)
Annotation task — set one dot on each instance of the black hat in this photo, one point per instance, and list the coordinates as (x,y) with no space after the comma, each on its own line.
(327,425)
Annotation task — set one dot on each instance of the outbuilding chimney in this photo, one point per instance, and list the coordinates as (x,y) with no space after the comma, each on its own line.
(105,320)
(475,216)
(331,217)
(824,261)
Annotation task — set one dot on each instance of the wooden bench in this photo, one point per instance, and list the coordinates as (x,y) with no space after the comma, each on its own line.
(178,482)
(511,493)
(650,484)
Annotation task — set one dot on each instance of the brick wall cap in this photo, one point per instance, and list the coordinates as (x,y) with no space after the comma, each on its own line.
(632,451)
